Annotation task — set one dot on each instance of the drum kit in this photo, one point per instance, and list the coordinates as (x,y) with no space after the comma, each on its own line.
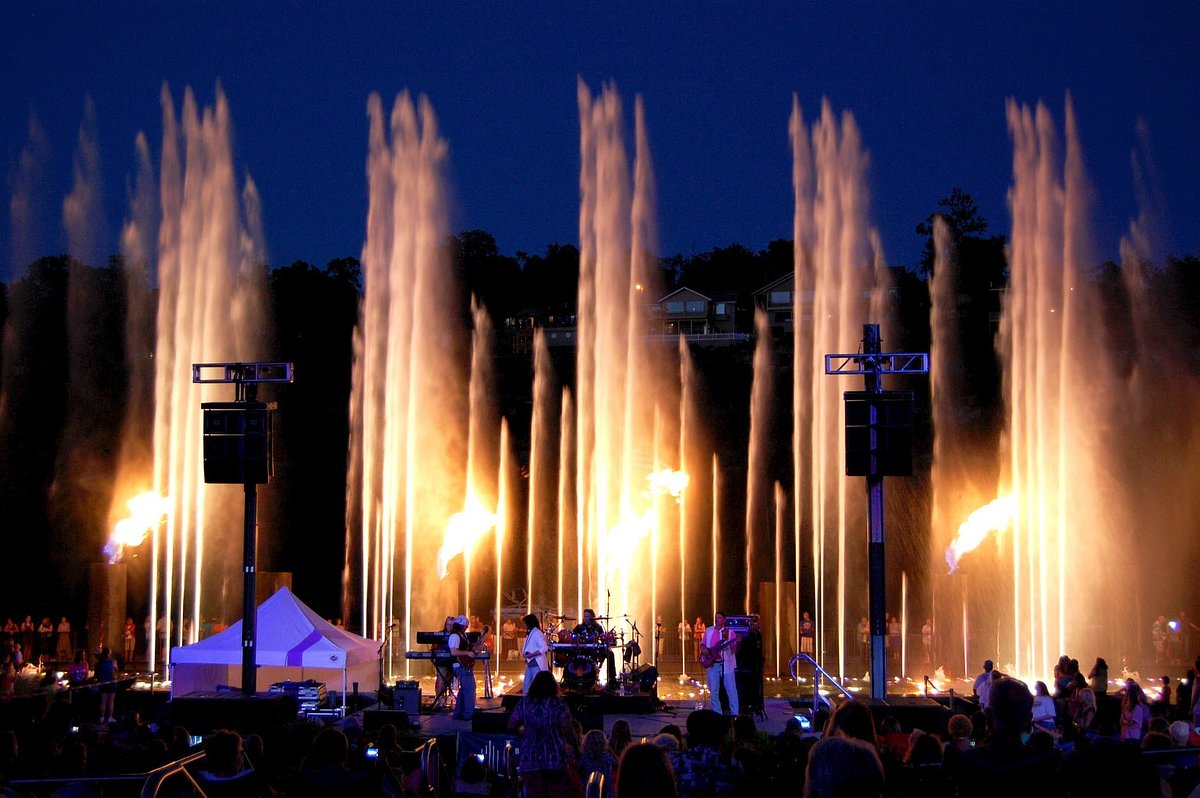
(580,654)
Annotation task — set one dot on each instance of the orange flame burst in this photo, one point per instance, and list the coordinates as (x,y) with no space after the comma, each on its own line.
(667,482)
(463,531)
(146,511)
(996,515)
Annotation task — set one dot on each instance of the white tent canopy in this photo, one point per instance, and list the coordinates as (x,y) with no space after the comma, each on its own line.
(293,643)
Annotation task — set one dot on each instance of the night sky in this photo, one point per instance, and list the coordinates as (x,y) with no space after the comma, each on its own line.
(926,81)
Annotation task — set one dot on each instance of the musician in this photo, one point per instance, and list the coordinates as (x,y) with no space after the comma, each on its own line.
(464,707)
(720,647)
(535,651)
(443,663)
(591,632)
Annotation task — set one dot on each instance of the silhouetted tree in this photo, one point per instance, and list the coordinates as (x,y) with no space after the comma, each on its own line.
(315,311)
(550,282)
(494,279)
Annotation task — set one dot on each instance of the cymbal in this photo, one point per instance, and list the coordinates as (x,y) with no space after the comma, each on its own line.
(564,617)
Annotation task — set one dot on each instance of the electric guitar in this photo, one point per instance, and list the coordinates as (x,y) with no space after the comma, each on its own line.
(477,647)
(710,655)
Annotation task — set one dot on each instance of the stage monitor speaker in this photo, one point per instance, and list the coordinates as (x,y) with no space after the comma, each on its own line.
(376,719)
(646,677)
(490,723)
(407,697)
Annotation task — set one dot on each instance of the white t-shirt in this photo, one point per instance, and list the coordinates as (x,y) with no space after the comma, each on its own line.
(536,648)
(713,637)
(1044,709)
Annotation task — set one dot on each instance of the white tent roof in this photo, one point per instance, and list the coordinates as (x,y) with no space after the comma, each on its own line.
(289,634)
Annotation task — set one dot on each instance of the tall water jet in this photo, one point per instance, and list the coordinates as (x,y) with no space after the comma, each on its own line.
(716,532)
(134,465)
(476,519)
(964,470)
(839,283)
(540,447)
(615,370)
(408,404)
(504,517)
(94,381)
(566,434)
(210,275)
(1055,390)
(687,379)
(758,482)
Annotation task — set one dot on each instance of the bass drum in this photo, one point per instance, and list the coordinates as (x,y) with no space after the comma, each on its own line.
(562,656)
(579,674)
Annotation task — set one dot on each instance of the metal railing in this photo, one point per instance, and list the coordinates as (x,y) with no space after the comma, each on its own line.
(818,672)
(595,785)
(152,780)
(431,765)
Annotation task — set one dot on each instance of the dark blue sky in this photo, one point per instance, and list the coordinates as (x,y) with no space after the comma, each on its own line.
(927,82)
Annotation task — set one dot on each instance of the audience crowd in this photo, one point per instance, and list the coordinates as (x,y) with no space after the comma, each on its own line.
(1068,739)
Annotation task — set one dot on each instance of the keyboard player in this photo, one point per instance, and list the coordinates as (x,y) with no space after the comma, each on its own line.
(443,662)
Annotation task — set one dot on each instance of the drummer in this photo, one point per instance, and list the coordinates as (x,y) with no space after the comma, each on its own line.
(591,632)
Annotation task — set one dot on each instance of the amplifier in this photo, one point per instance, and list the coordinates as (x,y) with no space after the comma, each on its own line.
(407,697)
(741,624)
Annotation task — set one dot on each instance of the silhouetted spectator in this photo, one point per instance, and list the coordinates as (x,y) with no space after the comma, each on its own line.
(841,767)
(852,719)
(958,732)
(1108,767)
(1005,765)
(1098,677)
(644,771)
(324,771)
(620,737)
(472,779)
(703,770)
(597,757)
(224,774)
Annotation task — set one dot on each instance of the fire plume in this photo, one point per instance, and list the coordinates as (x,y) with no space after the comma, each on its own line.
(463,531)
(667,482)
(146,511)
(996,515)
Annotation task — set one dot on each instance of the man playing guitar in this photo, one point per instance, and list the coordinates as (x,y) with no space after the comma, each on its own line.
(717,656)
(464,665)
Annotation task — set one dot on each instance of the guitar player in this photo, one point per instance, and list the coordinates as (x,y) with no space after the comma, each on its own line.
(464,665)
(717,654)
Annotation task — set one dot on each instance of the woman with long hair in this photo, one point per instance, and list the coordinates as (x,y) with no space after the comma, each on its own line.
(1044,711)
(1098,677)
(534,651)
(620,737)
(597,757)
(549,745)
(1135,712)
